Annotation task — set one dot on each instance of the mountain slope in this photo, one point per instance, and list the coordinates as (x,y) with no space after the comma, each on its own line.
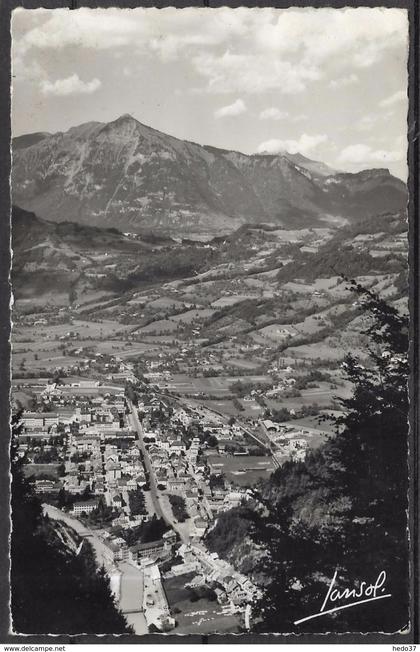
(130,176)
(51,259)
(67,263)
(26,140)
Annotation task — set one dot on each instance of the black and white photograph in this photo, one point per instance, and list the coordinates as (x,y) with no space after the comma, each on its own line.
(210,322)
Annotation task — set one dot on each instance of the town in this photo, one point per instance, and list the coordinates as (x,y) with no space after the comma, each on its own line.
(143,475)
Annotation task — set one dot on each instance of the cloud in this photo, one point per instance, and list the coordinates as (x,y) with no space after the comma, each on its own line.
(303,145)
(237,50)
(301,117)
(87,28)
(358,36)
(343,81)
(301,45)
(372,120)
(236,108)
(273,114)
(315,34)
(362,153)
(399,96)
(166,32)
(368,121)
(253,73)
(28,70)
(70,86)
(173,33)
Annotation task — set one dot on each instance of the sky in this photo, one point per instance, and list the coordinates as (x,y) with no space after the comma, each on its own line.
(328,83)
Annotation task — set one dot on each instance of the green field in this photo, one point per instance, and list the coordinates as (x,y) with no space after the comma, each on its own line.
(251,408)
(41,469)
(217,385)
(243,470)
(190,315)
(160,326)
(230,301)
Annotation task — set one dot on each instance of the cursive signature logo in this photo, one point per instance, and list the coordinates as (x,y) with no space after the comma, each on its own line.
(365,591)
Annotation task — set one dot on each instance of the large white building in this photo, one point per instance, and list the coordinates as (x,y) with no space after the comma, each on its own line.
(85,506)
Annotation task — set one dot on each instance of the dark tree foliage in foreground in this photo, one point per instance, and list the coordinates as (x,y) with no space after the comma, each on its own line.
(53,590)
(344,509)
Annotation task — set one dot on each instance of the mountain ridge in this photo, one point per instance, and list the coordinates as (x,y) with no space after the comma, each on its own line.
(132,176)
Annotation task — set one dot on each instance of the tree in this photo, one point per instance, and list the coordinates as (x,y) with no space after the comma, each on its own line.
(131,393)
(137,502)
(178,507)
(344,509)
(87,493)
(148,531)
(211,440)
(238,405)
(64,499)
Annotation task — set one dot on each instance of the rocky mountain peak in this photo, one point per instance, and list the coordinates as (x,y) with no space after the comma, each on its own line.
(128,175)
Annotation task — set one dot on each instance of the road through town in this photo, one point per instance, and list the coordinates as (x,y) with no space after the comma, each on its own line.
(137,427)
(161,508)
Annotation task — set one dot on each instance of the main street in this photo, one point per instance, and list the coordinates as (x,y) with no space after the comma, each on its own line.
(138,428)
(161,509)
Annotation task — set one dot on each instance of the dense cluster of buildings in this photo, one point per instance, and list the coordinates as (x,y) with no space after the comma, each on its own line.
(181,465)
(288,441)
(103,463)
(230,585)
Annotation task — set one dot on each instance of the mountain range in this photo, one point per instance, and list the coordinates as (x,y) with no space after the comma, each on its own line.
(126,175)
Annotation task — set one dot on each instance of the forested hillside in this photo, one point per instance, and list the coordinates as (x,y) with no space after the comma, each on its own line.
(344,252)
